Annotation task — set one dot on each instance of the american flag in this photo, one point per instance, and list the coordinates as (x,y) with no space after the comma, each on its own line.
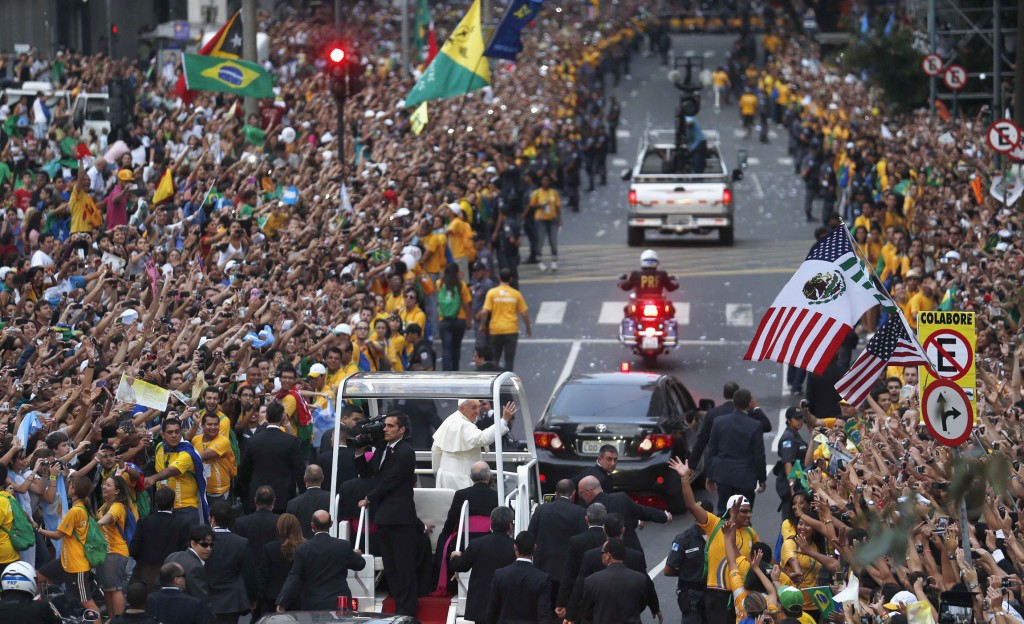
(818,306)
(889,346)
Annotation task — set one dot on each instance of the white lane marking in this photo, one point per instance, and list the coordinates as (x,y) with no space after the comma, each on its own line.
(574,352)
(757,186)
(753,160)
(779,430)
(551,313)
(709,54)
(600,233)
(739,314)
(611,313)
(656,570)
(773,134)
(739,133)
(785,160)
(683,313)
(619,162)
(622,133)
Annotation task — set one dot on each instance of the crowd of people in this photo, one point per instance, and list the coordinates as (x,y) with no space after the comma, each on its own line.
(282,262)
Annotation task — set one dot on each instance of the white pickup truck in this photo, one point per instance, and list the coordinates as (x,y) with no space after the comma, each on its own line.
(666,196)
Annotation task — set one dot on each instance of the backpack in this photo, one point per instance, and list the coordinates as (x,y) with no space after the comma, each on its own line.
(21,533)
(448,302)
(95,545)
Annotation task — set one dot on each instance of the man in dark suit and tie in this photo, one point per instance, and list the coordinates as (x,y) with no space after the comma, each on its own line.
(607,460)
(520,593)
(617,595)
(579,544)
(319,573)
(230,570)
(156,536)
(593,561)
(171,605)
(260,526)
(272,457)
(726,408)
(394,511)
(735,453)
(482,499)
(313,499)
(485,555)
(552,525)
(632,512)
(193,562)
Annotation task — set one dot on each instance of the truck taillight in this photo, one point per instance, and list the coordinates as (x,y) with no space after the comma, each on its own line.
(726,197)
(632,198)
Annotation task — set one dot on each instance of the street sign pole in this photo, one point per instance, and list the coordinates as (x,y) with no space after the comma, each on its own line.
(965,535)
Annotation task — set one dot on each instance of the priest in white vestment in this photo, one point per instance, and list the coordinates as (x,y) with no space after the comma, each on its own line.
(459,443)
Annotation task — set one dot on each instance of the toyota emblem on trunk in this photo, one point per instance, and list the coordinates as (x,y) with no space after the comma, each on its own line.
(601,428)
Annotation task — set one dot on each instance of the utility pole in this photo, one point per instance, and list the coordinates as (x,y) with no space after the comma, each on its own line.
(997,60)
(249,47)
(405,36)
(337,17)
(931,48)
(1018,75)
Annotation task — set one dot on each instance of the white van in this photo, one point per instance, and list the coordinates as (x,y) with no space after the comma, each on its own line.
(91,111)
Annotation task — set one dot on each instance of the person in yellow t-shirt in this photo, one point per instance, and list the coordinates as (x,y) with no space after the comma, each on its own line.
(739,511)
(460,239)
(803,558)
(434,241)
(547,207)
(503,306)
(455,314)
(7,552)
(748,108)
(113,521)
(218,459)
(411,312)
(176,469)
(74,525)
(393,298)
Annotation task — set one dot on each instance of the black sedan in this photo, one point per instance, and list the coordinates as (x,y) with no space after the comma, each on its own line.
(335,617)
(647,417)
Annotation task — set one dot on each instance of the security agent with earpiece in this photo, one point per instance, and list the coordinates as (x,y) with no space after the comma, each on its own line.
(18,597)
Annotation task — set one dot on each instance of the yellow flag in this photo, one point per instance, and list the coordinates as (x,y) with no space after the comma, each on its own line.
(164,190)
(419,119)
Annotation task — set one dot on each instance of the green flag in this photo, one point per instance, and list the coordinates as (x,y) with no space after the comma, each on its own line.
(797,473)
(255,136)
(225,75)
(460,66)
(421,28)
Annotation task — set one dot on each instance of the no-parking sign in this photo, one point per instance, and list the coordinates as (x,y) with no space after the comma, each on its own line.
(1003,136)
(931,65)
(955,77)
(948,338)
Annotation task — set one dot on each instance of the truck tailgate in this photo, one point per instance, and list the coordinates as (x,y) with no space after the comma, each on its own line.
(696,197)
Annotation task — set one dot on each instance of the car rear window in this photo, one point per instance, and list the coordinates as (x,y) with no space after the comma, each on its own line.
(607,402)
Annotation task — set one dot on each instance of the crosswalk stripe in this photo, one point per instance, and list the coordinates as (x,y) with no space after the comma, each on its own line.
(785,160)
(611,313)
(622,133)
(739,314)
(683,313)
(551,313)
(753,160)
(619,162)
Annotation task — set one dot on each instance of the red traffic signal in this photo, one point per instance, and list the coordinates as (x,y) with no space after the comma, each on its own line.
(337,55)
(113,29)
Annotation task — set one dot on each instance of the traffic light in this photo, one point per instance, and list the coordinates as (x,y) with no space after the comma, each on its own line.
(113,30)
(345,70)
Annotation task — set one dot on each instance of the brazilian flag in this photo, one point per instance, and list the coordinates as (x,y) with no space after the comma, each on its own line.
(797,473)
(822,598)
(225,75)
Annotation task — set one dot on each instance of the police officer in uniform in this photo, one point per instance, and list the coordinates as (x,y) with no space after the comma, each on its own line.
(649,281)
(792,448)
(686,563)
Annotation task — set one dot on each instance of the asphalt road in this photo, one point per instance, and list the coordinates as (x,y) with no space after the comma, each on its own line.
(724,293)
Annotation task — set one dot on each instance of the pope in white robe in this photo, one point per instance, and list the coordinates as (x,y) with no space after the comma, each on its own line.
(459,443)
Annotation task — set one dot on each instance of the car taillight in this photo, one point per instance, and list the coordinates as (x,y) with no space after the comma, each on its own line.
(632,198)
(624,367)
(650,310)
(547,439)
(726,197)
(655,442)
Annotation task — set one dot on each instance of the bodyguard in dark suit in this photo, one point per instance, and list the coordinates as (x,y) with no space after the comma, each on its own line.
(192,561)
(171,605)
(272,457)
(485,555)
(520,593)
(552,525)
(394,510)
(736,453)
(482,499)
(722,410)
(579,544)
(620,503)
(607,460)
(593,561)
(319,573)
(313,499)
(230,570)
(260,526)
(156,536)
(347,468)
(617,595)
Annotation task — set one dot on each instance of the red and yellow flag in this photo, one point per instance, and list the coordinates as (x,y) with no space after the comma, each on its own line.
(164,190)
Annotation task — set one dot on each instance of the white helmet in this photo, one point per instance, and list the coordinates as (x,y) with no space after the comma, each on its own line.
(19,576)
(649,259)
